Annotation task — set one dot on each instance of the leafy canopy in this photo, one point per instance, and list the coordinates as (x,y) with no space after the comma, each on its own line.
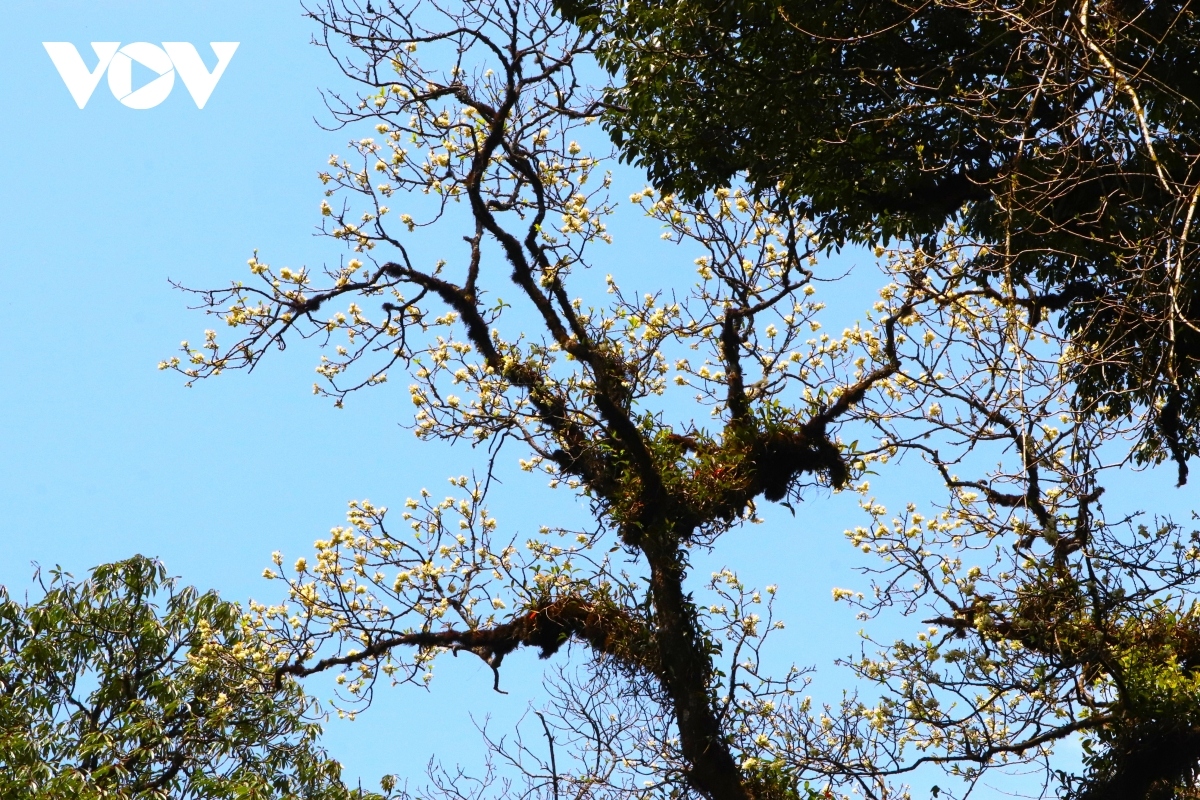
(1062,137)
(125,686)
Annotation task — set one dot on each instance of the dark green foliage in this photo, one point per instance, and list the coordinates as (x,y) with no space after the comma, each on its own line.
(125,686)
(1065,143)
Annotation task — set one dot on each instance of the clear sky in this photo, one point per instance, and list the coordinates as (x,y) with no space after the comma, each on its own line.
(104,456)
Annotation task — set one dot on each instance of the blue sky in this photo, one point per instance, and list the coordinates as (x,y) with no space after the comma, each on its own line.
(104,456)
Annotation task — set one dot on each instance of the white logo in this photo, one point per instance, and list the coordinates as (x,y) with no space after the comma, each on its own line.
(172,57)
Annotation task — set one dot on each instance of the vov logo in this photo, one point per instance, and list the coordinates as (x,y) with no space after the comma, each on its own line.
(165,61)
